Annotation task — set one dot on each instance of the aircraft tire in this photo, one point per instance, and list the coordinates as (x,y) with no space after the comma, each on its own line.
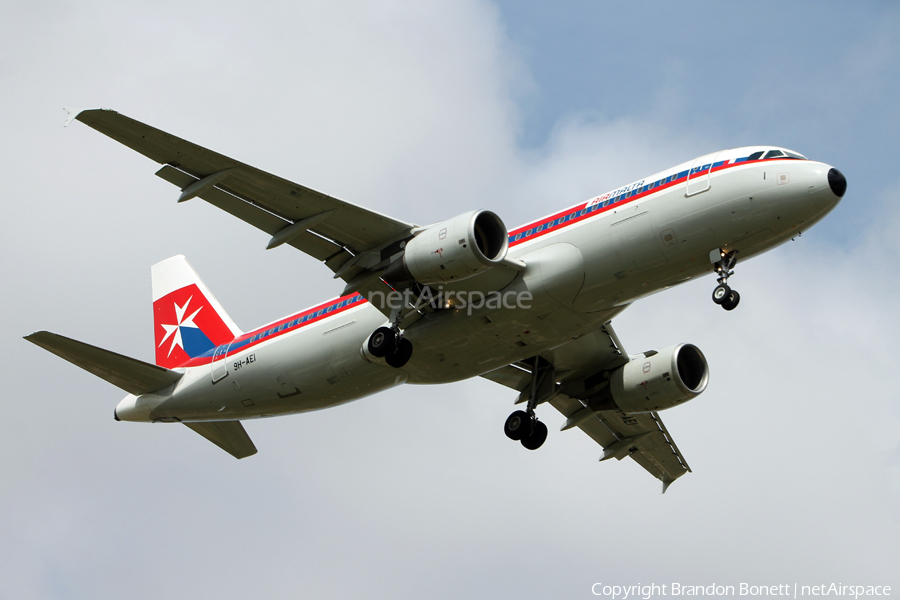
(733,299)
(537,437)
(382,342)
(401,355)
(518,425)
(721,294)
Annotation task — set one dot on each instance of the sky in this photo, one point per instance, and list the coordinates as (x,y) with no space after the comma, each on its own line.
(423,111)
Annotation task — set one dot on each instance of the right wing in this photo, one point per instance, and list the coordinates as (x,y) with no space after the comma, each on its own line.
(349,239)
(643,437)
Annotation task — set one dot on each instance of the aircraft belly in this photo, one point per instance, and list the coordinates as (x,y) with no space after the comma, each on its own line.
(454,345)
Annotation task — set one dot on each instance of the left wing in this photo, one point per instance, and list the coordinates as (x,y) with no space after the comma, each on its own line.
(349,239)
(643,437)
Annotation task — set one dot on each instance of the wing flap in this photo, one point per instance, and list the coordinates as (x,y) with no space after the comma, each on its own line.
(351,227)
(253,214)
(132,375)
(510,376)
(643,437)
(230,436)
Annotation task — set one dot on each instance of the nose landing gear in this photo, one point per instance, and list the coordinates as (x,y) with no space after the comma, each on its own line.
(724,262)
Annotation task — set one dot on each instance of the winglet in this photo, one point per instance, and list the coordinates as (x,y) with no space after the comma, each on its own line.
(666,483)
(72,114)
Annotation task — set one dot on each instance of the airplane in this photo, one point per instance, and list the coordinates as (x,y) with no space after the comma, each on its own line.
(528,308)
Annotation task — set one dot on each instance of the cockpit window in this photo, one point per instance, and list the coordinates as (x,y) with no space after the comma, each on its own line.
(795,155)
(755,155)
(774,154)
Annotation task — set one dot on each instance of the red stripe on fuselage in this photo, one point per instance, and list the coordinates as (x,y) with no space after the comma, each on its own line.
(279,328)
(583,207)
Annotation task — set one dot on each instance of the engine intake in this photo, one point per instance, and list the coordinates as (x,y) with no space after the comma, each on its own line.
(451,250)
(652,383)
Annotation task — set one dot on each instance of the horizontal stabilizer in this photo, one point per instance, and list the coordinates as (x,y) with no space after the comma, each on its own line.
(132,375)
(230,436)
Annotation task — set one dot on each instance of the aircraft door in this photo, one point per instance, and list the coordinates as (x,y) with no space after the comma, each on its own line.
(698,176)
(219,364)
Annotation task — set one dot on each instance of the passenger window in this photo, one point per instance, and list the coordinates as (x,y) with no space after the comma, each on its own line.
(774,154)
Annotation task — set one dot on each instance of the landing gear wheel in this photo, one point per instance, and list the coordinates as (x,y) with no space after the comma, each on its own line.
(537,437)
(721,294)
(518,425)
(382,342)
(401,355)
(732,301)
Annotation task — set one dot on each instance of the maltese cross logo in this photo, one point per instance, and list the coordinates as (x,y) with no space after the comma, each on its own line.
(174,331)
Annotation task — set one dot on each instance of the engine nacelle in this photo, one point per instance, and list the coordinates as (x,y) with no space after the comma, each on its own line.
(652,383)
(452,250)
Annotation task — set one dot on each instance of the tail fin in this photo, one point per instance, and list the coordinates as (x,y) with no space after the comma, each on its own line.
(188,321)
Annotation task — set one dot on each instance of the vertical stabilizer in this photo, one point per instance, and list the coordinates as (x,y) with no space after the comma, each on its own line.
(188,321)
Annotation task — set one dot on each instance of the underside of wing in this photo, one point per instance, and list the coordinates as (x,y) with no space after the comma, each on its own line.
(643,437)
(346,237)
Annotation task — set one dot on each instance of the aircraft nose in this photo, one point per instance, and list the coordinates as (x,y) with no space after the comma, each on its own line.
(837,182)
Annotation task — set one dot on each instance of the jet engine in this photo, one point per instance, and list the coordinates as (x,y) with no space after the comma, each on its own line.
(655,381)
(451,250)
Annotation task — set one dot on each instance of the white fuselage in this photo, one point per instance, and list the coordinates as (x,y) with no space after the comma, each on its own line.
(584,265)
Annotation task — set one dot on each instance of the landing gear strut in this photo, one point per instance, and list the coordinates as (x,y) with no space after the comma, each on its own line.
(523,425)
(724,262)
(388,343)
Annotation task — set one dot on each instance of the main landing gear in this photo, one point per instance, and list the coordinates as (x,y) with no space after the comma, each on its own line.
(388,343)
(523,425)
(724,262)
